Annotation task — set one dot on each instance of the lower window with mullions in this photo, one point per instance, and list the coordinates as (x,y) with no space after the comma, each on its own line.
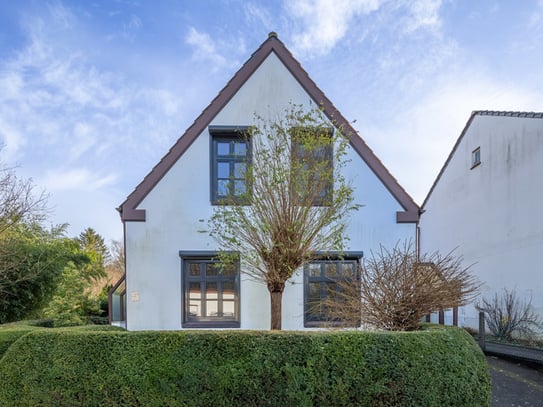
(324,282)
(211,293)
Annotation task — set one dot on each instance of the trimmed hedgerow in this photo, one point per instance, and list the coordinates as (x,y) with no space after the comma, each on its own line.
(9,333)
(436,367)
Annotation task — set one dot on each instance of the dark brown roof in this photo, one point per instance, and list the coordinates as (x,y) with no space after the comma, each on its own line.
(530,115)
(272,44)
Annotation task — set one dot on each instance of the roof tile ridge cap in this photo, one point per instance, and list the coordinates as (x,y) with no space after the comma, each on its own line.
(508,113)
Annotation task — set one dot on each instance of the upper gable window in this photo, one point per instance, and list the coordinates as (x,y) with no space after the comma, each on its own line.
(230,155)
(476,157)
(313,163)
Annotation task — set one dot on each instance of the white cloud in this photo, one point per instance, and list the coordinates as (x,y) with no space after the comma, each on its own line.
(84,138)
(61,15)
(205,47)
(423,14)
(75,179)
(258,14)
(325,22)
(11,141)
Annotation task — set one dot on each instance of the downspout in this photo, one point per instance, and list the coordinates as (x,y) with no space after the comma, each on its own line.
(417,235)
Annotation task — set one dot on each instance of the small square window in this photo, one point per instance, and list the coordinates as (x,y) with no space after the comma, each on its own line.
(476,157)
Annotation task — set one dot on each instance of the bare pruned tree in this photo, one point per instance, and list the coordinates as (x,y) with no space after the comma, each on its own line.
(507,315)
(19,200)
(296,201)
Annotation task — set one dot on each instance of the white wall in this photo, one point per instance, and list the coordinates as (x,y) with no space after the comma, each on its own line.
(492,212)
(178,207)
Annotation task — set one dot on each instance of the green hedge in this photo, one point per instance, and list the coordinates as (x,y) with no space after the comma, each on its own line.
(9,333)
(436,367)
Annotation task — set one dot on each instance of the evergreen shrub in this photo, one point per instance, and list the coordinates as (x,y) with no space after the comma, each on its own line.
(71,367)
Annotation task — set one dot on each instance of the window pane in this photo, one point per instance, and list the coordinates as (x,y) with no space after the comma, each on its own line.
(211,291)
(331,290)
(194,269)
(228,292)
(348,269)
(240,148)
(239,187)
(223,187)
(239,170)
(194,291)
(331,270)
(314,291)
(223,170)
(212,308)
(228,270)
(228,309)
(223,148)
(212,269)
(314,269)
(195,303)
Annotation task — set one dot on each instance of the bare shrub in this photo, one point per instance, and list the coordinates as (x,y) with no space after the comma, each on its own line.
(396,289)
(507,315)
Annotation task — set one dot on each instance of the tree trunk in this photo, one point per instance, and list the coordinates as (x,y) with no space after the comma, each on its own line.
(276,298)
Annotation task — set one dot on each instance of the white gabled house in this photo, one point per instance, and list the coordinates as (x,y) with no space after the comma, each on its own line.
(170,281)
(486,202)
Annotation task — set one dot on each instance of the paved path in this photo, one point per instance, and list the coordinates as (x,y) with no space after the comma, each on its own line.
(534,355)
(514,384)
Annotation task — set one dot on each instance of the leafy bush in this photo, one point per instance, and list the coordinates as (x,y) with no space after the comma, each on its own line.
(70,367)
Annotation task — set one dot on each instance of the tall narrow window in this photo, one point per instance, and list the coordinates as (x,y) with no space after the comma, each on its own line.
(230,155)
(211,292)
(322,283)
(476,157)
(312,163)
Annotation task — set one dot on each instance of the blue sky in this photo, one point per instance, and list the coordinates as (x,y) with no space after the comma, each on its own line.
(94,93)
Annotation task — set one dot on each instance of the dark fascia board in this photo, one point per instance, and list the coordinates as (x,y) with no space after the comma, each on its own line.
(530,115)
(128,209)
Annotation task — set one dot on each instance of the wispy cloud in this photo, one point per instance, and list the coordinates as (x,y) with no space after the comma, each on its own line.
(424,14)
(259,15)
(75,179)
(322,24)
(325,22)
(204,47)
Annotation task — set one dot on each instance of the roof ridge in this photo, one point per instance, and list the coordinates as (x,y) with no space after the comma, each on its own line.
(509,113)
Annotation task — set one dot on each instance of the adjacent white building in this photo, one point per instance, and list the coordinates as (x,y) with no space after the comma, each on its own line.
(486,204)
(170,282)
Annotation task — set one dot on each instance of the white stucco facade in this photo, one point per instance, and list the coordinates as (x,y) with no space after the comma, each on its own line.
(492,212)
(178,206)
